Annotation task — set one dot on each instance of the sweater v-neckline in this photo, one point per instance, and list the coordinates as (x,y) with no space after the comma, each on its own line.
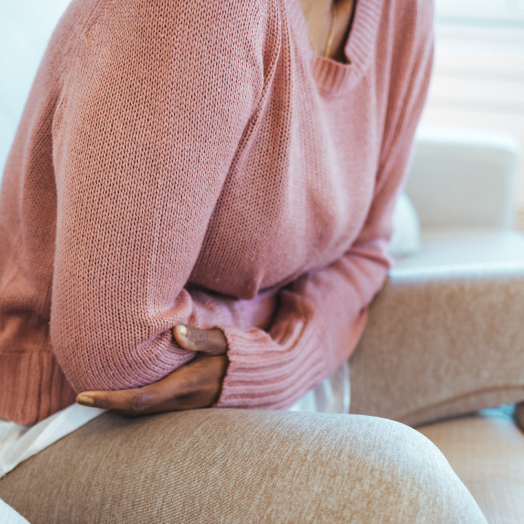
(334,77)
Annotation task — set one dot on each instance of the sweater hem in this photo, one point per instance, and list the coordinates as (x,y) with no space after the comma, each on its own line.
(27,401)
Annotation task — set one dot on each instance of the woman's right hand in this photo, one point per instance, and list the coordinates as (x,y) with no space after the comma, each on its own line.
(197,384)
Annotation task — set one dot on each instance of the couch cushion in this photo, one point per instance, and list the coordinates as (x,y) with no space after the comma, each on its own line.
(487,452)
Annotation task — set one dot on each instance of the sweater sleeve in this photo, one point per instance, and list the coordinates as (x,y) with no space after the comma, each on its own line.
(157,98)
(322,314)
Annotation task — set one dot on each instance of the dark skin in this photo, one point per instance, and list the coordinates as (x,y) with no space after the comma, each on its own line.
(195,385)
(198,384)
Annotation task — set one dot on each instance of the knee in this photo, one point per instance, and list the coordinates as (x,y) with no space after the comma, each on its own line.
(414,478)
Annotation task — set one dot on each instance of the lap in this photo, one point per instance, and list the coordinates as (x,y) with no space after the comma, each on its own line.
(240,466)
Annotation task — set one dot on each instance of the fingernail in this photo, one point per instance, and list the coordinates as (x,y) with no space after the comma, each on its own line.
(84,400)
(182,330)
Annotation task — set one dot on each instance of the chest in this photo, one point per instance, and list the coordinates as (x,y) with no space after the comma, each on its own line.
(299,189)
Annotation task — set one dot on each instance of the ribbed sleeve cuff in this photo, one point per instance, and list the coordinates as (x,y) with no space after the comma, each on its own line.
(264,374)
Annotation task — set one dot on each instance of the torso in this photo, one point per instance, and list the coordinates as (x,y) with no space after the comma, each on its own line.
(315,204)
(295,196)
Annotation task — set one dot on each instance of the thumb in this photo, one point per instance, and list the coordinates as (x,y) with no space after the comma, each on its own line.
(206,341)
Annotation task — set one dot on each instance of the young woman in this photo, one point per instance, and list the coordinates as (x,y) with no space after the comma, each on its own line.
(197,206)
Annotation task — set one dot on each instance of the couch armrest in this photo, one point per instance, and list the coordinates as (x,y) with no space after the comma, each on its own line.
(464,177)
(445,336)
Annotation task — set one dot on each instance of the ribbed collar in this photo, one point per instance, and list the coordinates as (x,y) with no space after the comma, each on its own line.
(333,77)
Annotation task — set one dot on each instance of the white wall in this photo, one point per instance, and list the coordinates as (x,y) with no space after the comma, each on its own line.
(478,79)
(25,28)
(489,12)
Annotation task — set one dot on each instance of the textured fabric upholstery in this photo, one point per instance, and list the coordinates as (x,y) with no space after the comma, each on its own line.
(438,346)
(233,466)
(487,452)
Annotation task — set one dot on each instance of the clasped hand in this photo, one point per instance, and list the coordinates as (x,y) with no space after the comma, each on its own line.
(197,384)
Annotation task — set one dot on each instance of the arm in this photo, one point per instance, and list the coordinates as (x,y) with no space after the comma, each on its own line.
(322,314)
(152,113)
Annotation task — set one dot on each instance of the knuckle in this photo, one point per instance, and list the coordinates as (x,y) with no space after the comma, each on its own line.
(201,336)
(139,402)
(198,337)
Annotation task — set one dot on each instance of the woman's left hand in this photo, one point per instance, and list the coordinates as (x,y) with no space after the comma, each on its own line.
(197,384)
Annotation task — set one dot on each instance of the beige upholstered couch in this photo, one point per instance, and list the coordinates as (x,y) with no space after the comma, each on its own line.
(446,335)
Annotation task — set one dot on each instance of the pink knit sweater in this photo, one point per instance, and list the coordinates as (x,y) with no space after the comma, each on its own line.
(196,162)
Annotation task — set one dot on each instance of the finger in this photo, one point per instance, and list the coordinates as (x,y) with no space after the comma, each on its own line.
(203,392)
(127,399)
(206,341)
(196,384)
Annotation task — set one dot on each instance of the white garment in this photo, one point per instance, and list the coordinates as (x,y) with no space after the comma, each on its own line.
(332,395)
(18,443)
(9,516)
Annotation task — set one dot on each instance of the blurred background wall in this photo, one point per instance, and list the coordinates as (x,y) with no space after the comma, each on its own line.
(478,78)
(25,28)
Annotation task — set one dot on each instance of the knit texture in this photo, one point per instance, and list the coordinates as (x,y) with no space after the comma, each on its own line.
(176,159)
